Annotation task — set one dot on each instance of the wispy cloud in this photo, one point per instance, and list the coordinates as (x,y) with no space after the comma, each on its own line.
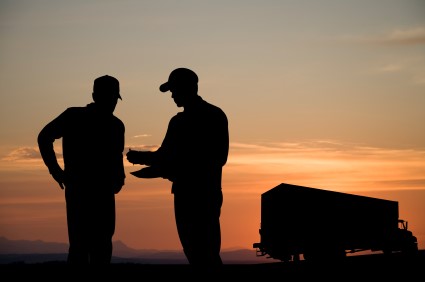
(410,36)
(142,135)
(141,148)
(419,78)
(23,154)
(390,68)
(414,183)
(410,66)
(328,164)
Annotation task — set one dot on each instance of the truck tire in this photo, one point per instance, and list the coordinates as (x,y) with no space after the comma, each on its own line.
(329,255)
(410,250)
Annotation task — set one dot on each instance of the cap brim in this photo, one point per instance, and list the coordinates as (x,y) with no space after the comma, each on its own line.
(164,87)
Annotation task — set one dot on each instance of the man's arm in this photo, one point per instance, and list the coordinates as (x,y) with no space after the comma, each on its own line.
(120,177)
(45,140)
(140,157)
(147,172)
(220,150)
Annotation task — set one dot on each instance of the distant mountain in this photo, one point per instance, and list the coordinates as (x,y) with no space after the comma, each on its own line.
(31,247)
(25,251)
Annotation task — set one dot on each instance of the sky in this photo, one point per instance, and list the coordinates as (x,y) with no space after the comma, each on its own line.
(327,94)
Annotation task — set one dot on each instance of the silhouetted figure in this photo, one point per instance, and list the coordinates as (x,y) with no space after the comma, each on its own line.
(191,156)
(92,144)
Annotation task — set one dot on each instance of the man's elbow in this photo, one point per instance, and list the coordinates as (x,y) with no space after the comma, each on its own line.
(44,139)
(41,139)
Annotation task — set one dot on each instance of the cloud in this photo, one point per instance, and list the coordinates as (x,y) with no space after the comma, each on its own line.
(323,149)
(417,183)
(411,36)
(419,79)
(295,148)
(328,164)
(411,66)
(141,148)
(23,154)
(142,135)
(390,68)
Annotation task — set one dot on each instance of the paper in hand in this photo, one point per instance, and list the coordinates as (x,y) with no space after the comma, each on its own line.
(147,172)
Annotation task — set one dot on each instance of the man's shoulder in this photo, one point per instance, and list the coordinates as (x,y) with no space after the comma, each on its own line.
(177,117)
(213,109)
(118,121)
(85,112)
(75,110)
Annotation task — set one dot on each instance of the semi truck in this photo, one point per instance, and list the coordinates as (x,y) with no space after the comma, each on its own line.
(316,224)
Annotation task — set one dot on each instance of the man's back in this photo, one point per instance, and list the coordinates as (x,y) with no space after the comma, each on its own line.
(92,144)
(197,143)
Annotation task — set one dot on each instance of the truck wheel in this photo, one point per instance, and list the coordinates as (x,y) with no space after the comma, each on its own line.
(312,256)
(285,258)
(410,250)
(387,252)
(334,255)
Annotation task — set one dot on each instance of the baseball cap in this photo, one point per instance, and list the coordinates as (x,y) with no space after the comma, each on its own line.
(108,84)
(179,76)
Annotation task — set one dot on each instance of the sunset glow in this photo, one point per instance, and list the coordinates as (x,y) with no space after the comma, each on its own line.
(145,208)
(331,98)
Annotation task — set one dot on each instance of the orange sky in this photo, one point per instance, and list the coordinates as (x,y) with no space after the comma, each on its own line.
(326,94)
(32,204)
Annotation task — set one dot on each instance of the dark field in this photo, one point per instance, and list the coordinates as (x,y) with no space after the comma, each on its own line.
(365,267)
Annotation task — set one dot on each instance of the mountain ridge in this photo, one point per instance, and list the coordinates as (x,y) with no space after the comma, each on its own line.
(35,251)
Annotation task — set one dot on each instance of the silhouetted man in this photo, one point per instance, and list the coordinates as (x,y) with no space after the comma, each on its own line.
(192,155)
(92,145)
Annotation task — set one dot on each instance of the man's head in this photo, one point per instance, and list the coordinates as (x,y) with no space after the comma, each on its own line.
(106,86)
(106,92)
(183,84)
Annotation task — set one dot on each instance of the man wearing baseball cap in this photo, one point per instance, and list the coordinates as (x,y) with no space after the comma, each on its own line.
(93,172)
(192,156)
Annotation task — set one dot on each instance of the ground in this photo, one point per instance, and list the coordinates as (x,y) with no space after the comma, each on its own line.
(364,268)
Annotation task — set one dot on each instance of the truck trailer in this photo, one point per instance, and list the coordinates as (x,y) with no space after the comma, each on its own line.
(321,224)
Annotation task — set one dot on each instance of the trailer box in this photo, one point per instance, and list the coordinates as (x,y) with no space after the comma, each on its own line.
(310,221)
